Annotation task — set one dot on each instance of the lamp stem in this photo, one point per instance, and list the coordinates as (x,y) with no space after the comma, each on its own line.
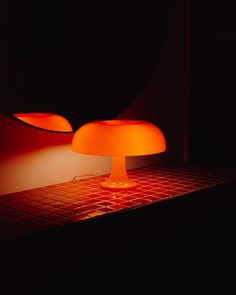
(118,170)
(118,179)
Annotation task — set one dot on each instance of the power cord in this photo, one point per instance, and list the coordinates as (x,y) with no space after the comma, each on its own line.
(83,176)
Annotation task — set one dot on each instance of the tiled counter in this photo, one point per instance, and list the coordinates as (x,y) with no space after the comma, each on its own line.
(39,209)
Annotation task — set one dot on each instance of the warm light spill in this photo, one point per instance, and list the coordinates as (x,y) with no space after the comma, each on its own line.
(47,121)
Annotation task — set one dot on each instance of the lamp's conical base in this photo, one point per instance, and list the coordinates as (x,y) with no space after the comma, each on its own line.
(118,179)
(111,185)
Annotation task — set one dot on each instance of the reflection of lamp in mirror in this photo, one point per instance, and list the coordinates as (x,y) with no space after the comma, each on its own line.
(119,138)
(47,121)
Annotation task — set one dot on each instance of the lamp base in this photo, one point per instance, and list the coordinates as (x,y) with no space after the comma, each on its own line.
(112,185)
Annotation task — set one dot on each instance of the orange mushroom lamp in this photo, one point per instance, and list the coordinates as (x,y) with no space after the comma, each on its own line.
(119,138)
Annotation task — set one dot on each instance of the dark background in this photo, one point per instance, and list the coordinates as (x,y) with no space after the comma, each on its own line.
(85,60)
(212,82)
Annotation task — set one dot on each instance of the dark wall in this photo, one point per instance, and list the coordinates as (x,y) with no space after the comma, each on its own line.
(213,91)
(85,60)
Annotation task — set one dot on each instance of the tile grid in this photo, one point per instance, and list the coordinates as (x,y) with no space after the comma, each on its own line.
(38,209)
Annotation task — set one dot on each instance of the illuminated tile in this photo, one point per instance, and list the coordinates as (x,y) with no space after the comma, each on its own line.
(95,213)
(56,205)
(116,207)
(106,203)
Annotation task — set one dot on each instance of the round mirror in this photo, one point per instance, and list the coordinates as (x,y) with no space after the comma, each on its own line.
(83,60)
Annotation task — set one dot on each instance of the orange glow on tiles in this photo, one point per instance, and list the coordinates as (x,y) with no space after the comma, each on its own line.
(119,138)
(47,121)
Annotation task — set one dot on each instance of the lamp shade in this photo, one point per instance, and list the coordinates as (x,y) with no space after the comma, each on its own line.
(47,121)
(119,138)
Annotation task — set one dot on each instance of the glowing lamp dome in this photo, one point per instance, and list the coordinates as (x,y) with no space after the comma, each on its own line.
(119,138)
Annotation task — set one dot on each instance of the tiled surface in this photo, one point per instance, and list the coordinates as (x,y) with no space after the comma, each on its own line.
(55,205)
